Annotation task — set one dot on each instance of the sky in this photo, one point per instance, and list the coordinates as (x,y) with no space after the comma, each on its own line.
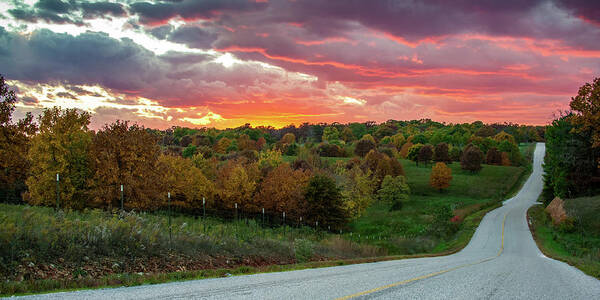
(225,63)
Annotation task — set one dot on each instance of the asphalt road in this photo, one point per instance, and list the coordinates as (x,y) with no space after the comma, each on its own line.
(501,262)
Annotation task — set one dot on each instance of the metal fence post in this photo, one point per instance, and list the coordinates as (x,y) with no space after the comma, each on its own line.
(57,191)
(121,197)
(169,214)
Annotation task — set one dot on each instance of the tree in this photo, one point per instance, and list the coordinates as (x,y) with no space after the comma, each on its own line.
(282,190)
(441,176)
(235,184)
(503,136)
(185,141)
(288,138)
(413,153)
(358,187)
(494,157)
(60,147)
(394,191)
(330,133)
(14,144)
(364,145)
(398,140)
(186,183)
(425,154)
(222,145)
(471,158)
(347,135)
(127,155)
(405,149)
(441,153)
(245,143)
(381,165)
(455,154)
(324,203)
(586,107)
(189,151)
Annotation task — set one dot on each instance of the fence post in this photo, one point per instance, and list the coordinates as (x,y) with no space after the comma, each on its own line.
(169,214)
(236,213)
(203,208)
(284,223)
(121,197)
(57,191)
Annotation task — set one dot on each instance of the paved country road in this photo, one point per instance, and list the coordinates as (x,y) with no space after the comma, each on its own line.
(501,262)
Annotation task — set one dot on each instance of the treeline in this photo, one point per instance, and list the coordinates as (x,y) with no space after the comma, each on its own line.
(279,170)
(572,162)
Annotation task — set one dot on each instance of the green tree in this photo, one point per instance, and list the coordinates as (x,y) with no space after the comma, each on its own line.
(394,191)
(60,147)
(324,203)
(189,151)
(330,133)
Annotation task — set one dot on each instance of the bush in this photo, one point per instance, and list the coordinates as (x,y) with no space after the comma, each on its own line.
(455,154)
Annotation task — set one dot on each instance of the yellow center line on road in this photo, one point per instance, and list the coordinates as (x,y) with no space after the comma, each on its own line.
(431,274)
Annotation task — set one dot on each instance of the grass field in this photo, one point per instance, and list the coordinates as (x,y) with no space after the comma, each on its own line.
(577,242)
(407,231)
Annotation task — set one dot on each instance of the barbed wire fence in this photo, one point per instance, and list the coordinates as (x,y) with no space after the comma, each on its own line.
(237,220)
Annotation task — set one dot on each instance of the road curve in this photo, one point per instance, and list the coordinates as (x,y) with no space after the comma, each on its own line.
(501,261)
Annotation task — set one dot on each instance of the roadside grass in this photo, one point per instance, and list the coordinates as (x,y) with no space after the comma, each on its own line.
(577,241)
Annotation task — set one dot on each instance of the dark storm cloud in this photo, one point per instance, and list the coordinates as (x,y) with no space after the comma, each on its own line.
(157,13)
(88,58)
(193,36)
(61,12)
(100,9)
(28,100)
(56,6)
(161,32)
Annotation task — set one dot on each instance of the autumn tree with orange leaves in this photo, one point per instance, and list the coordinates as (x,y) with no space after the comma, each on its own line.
(128,155)
(441,175)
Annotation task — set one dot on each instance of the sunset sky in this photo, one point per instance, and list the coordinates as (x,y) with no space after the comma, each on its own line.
(223,63)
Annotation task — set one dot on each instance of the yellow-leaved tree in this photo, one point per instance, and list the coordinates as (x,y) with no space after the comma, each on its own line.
(441,175)
(186,183)
(236,184)
(61,147)
(127,155)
